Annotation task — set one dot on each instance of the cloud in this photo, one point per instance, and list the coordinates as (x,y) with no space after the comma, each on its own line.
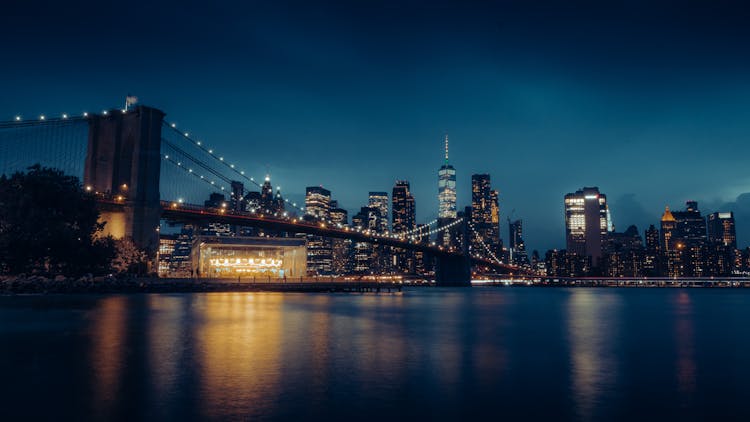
(626,210)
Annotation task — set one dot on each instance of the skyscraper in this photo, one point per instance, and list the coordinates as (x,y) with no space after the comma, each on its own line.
(623,254)
(691,240)
(720,227)
(270,203)
(364,255)
(671,257)
(318,202)
(403,208)
(446,188)
(722,243)
(341,248)
(404,220)
(651,257)
(379,202)
(586,222)
(484,216)
(319,249)
(668,225)
(516,245)
(266,196)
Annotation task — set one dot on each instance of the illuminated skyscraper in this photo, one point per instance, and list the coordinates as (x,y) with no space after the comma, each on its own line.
(266,196)
(270,203)
(586,223)
(652,256)
(341,262)
(447,212)
(722,243)
(691,240)
(721,229)
(319,249)
(484,216)
(671,258)
(516,245)
(668,225)
(403,208)
(364,255)
(379,201)
(318,202)
(446,188)
(403,221)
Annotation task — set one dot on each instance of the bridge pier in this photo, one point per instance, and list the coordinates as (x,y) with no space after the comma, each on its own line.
(123,159)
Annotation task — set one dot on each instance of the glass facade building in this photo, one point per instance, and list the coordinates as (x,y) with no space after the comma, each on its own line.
(232,257)
(447,188)
(586,223)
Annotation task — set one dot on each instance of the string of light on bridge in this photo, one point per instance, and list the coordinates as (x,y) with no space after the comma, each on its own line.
(369,233)
(211,152)
(191,171)
(440,229)
(484,245)
(420,228)
(43,118)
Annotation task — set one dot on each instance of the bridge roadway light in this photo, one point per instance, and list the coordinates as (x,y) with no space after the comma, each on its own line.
(41,117)
(18,118)
(64,116)
(85,114)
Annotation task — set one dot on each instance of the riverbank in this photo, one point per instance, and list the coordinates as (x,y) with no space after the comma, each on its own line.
(62,285)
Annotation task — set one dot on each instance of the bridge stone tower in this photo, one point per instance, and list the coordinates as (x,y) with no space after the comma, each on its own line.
(123,160)
(455,270)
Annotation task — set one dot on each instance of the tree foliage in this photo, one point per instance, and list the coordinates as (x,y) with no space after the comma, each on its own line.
(128,258)
(48,224)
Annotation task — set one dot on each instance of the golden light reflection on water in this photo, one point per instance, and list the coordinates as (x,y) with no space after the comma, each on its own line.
(238,340)
(108,352)
(593,354)
(224,355)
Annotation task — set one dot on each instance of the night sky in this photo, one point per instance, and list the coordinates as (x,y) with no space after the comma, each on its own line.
(648,100)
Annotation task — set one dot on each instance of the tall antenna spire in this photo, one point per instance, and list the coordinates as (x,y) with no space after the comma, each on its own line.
(446,148)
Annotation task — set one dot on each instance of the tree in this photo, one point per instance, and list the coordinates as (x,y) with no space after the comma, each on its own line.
(128,258)
(48,224)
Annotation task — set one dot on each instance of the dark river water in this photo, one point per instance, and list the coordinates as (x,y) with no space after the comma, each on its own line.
(501,353)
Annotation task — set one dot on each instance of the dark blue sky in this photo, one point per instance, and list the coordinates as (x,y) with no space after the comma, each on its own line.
(648,100)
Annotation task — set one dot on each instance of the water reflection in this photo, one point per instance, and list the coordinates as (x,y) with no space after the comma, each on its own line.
(166,335)
(592,327)
(238,341)
(108,353)
(533,354)
(685,345)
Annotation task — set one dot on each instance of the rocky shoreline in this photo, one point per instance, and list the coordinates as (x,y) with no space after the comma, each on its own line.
(35,284)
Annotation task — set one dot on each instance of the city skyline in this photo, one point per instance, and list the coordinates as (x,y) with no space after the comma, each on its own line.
(525,96)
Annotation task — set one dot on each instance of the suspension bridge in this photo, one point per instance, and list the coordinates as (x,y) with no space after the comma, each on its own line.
(144,169)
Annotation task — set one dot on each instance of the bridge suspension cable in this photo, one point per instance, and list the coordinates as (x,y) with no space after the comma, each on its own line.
(484,245)
(58,142)
(440,229)
(230,166)
(417,229)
